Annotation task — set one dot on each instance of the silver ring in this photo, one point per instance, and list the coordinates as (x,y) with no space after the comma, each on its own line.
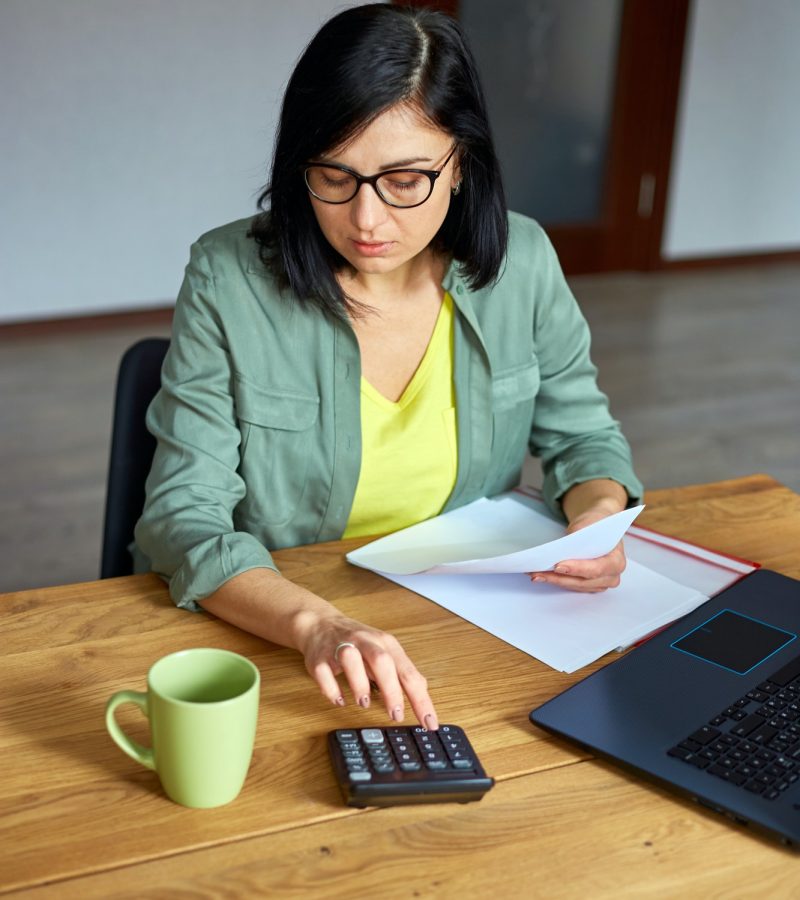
(341,647)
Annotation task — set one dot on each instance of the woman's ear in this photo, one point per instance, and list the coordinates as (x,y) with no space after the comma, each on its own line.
(455,178)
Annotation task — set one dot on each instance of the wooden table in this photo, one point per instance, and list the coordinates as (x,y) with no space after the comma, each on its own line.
(80,819)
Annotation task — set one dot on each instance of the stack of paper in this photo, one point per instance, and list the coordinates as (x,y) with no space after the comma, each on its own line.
(472,561)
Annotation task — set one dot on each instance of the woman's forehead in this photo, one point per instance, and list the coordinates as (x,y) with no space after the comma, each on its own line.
(398,134)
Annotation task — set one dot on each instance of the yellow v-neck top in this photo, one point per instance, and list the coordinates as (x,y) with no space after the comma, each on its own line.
(409,447)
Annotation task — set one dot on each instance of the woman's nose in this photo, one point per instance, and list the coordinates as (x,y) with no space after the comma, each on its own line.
(367,210)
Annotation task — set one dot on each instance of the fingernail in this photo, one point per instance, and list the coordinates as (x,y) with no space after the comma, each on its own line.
(339,701)
(431,722)
(537,578)
(397,714)
(562,570)
(363,701)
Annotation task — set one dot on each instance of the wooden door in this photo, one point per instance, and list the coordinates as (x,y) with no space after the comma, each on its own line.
(620,225)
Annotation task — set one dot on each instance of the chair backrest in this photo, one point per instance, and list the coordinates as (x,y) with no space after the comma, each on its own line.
(132,449)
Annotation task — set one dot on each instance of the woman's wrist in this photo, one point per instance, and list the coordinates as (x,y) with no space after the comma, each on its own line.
(598,495)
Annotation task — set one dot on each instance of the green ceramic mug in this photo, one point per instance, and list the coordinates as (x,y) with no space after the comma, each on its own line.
(203,706)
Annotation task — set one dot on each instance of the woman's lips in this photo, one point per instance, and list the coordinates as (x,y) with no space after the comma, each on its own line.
(372,248)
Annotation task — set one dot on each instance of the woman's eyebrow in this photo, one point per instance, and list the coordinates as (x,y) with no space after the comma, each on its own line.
(405,162)
(399,164)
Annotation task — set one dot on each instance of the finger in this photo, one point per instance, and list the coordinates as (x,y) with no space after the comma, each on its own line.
(381,664)
(415,687)
(352,663)
(612,564)
(323,675)
(572,583)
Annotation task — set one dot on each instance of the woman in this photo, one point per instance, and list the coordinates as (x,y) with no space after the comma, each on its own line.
(379,346)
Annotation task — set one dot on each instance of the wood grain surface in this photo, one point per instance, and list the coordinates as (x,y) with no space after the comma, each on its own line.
(79,818)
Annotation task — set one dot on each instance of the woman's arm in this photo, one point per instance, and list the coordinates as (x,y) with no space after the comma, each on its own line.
(264,603)
(584,504)
(187,531)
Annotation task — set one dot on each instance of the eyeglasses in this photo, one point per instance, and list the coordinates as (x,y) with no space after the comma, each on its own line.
(402,188)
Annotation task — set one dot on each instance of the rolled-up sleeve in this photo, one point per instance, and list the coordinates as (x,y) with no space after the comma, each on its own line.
(187,531)
(573,432)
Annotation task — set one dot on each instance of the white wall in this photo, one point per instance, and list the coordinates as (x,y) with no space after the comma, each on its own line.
(129,128)
(735,183)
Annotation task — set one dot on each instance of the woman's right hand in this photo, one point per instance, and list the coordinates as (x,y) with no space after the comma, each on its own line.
(335,644)
(264,603)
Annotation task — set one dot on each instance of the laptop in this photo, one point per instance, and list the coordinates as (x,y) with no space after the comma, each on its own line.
(709,707)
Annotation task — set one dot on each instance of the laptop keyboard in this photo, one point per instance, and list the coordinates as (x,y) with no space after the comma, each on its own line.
(755,742)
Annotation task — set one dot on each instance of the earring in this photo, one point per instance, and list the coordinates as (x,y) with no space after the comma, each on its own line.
(457,188)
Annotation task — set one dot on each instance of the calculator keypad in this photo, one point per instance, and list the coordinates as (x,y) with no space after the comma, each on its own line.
(372,752)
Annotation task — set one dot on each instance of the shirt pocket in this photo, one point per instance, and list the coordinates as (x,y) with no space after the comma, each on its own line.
(514,393)
(277,443)
(511,387)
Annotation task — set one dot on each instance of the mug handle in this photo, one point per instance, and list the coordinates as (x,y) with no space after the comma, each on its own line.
(141,754)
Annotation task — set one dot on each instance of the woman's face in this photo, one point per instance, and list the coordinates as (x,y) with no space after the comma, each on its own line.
(372,236)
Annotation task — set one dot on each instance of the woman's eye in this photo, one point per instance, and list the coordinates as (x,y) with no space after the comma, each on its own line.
(399,185)
(329,181)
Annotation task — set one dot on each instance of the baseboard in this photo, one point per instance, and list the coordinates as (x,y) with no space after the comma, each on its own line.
(729,260)
(156,316)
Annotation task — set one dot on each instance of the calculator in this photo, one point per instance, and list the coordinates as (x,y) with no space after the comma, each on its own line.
(402,765)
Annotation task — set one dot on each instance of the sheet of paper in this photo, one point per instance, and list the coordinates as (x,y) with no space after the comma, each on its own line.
(564,629)
(694,566)
(488,537)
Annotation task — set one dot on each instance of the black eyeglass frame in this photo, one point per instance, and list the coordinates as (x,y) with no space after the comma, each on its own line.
(372,180)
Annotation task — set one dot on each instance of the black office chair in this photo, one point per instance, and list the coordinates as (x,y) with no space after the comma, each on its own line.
(132,449)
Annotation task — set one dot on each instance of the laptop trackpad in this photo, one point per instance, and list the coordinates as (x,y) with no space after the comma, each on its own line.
(733,641)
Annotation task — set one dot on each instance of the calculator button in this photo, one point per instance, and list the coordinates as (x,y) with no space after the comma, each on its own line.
(372,735)
(410,766)
(383,768)
(462,763)
(435,764)
(459,756)
(360,776)
(345,736)
(407,757)
(434,758)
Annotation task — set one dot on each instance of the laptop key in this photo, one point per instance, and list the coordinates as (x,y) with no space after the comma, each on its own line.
(743,728)
(679,753)
(762,735)
(704,735)
(787,673)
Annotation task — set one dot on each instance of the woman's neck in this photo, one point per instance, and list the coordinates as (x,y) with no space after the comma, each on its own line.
(379,290)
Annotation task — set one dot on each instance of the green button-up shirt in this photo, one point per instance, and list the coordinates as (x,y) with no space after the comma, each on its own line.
(258,418)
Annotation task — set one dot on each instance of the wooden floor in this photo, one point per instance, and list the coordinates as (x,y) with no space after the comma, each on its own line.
(702,368)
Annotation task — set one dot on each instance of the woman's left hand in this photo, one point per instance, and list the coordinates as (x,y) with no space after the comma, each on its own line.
(586,504)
